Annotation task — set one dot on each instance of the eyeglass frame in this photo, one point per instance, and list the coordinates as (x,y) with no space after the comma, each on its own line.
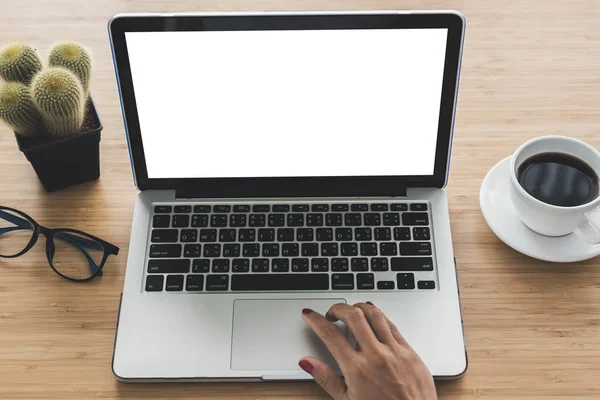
(109,249)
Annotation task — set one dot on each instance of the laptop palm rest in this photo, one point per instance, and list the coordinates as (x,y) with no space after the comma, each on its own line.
(271,335)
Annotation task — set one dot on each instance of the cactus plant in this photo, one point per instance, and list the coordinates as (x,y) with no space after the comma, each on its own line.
(18,111)
(59,96)
(75,58)
(19,63)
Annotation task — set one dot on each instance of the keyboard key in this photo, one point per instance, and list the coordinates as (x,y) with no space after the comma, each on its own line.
(162,209)
(220,266)
(182,210)
(415,248)
(202,209)
(257,220)
(405,280)
(417,218)
(295,220)
(240,265)
(300,208)
(164,236)
(174,283)
(368,249)
(379,207)
(290,250)
(251,250)
(161,221)
(421,234)
(181,221)
(320,207)
(216,283)
(372,219)
(299,264)
(165,250)
(281,207)
(241,208)
(359,264)
(208,235)
(194,283)
(221,208)
(189,235)
(320,265)
(179,266)
(388,249)
(339,207)
(333,219)
(342,281)
(280,282)
(305,234)
(155,283)
(365,281)
(339,264)
(270,250)
(237,220)
(314,219)
(212,250)
(199,220)
(218,220)
(418,207)
(324,234)
(310,249)
(379,264)
(276,220)
(383,234)
(266,235)
(200,266)
(261,208)
(329,249)
(399,207)
(401,233)
(349,249)
(226,235)
(343,234)
(385,285)
(359,207)
(412,264)
(391,219)
(192,250)
(363,234)
(247,235)
(352,219)
(426,285)
(280,265)
(231,250)
(285,235)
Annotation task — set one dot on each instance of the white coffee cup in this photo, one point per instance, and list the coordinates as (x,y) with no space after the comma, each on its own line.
(547,219)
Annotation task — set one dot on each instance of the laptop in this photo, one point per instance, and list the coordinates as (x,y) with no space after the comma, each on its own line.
(285,161)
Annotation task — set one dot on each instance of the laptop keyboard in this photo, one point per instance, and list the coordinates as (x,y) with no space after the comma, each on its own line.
(378,246)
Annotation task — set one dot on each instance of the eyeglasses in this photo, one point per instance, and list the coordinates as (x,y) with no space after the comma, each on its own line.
(72,254)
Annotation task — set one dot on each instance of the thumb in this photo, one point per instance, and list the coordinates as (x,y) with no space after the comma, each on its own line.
(325,377)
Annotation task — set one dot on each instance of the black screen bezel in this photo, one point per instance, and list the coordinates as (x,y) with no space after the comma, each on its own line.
(289,186)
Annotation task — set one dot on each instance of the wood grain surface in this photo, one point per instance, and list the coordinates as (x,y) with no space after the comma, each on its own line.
(532,328)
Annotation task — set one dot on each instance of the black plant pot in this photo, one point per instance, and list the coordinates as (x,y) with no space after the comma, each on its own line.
(65,162)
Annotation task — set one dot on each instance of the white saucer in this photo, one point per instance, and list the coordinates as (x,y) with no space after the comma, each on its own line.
(502,218)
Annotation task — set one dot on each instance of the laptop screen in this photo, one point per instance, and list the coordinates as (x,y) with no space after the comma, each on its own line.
(306,103)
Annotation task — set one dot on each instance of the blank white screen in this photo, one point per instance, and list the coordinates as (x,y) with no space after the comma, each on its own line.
(288,103)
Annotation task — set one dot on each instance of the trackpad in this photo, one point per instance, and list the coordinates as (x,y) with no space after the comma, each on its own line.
(271,334)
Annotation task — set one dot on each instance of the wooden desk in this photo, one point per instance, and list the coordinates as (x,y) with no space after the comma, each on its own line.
(532,328)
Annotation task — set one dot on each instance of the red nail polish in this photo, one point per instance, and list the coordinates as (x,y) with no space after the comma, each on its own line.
(369,303)
(306,366)
(306,311)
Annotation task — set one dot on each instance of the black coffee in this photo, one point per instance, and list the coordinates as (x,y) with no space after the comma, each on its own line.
(558,179)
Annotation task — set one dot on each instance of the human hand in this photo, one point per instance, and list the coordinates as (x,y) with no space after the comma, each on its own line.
(383,367)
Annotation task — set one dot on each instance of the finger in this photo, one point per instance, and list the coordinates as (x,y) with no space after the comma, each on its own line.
(378,322)
(334,340)
(396,333)
(357,323)
(325,377)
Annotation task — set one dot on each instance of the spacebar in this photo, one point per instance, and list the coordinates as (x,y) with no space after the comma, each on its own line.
(289,281)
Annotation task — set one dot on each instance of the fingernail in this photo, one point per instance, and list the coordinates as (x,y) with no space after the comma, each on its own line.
(306,311)
(371,304)
(306,366)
